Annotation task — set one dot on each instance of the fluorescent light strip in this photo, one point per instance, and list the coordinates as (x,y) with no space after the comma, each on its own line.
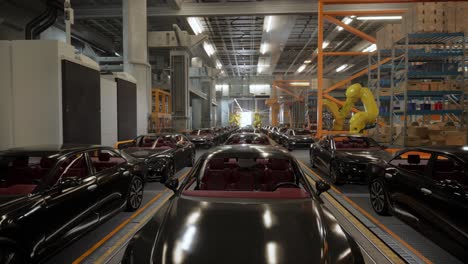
(219,65)
(379,18)
(341,68)
(269,22)
(209,48)
(300,83)
(370,48)
(264,48)
(347,20)
(195,24)
(325,44)
(302,68)
(307,61)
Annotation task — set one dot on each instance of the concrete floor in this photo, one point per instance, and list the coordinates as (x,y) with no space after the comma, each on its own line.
(357,193)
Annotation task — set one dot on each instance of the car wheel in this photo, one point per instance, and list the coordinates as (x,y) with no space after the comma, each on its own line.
(135,194)
(335,174)
(378,197)
(312,161)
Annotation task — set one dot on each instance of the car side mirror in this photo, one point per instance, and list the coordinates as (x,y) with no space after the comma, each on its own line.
(172,184)
(321,187)
(69,182)
(180,145)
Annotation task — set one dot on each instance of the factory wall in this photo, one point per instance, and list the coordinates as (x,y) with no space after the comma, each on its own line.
(6,97)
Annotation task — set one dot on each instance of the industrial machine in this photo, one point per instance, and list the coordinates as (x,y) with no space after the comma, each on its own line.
(361,120)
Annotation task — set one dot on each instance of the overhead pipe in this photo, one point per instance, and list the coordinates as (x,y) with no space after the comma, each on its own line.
(33,23)
(49,22)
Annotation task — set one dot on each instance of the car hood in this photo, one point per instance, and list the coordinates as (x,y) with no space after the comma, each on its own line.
(141,153)
(303,137)
(366,155)
(200,137)
(222,231)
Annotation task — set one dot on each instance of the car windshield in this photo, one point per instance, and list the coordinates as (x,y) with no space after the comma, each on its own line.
(302,132)
(248,139)
(233,177)
(157,142)
(350,142)
(21,174)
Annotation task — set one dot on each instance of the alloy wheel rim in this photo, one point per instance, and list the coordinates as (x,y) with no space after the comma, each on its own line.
(136,193)
(377,196)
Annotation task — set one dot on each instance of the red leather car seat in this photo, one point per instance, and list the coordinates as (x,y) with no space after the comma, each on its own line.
(217,175)
(280,171)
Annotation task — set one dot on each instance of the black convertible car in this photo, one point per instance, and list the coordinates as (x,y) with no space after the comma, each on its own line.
(164,154)
(244,204)
(248,138)
(51,195)
(346,157)
(296,138)
(204,137)
(427,187)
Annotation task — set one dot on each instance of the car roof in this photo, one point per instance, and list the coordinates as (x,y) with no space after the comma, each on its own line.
(51,149)
(247,152)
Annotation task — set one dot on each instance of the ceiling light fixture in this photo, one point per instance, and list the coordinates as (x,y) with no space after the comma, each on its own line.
(370,48)
(307,61)
(264,48)
(219,65)
(341,68)
(339,28)
(325,44)
(195,24)
(209,48)
(347,20)
(300,84)
(117,54)
(379,18)
(269,22)
(302,68)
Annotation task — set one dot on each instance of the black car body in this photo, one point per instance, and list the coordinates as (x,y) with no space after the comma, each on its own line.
(427,187)
(204,137)
(248,138)
(277,133)
(164,154)
(243,204)
(297,138)
(346,157)
(51,195)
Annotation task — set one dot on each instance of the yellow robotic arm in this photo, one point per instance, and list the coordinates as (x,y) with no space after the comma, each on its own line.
(360,120)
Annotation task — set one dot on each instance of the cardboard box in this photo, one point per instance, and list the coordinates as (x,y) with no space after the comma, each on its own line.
(437,140)
(455,138)
(420,132)
(412,141)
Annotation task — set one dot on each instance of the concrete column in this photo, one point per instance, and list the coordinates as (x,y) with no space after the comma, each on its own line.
(196,110)
(180,61)
(135,45)
(207,105)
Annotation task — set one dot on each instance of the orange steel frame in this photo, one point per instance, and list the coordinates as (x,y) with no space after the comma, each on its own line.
(323,92)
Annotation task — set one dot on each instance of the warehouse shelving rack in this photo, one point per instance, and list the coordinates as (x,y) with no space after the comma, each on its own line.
(398,73)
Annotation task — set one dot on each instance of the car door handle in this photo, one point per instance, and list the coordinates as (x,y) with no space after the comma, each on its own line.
(388,175)
(92,187)
(426,191)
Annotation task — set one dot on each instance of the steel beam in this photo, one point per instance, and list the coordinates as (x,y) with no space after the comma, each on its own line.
(351,29)
(259,8)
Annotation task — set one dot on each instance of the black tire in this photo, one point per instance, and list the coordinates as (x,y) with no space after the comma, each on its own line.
(11,253)
(335,174)
(378,197)
(312,160)
(135,194)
